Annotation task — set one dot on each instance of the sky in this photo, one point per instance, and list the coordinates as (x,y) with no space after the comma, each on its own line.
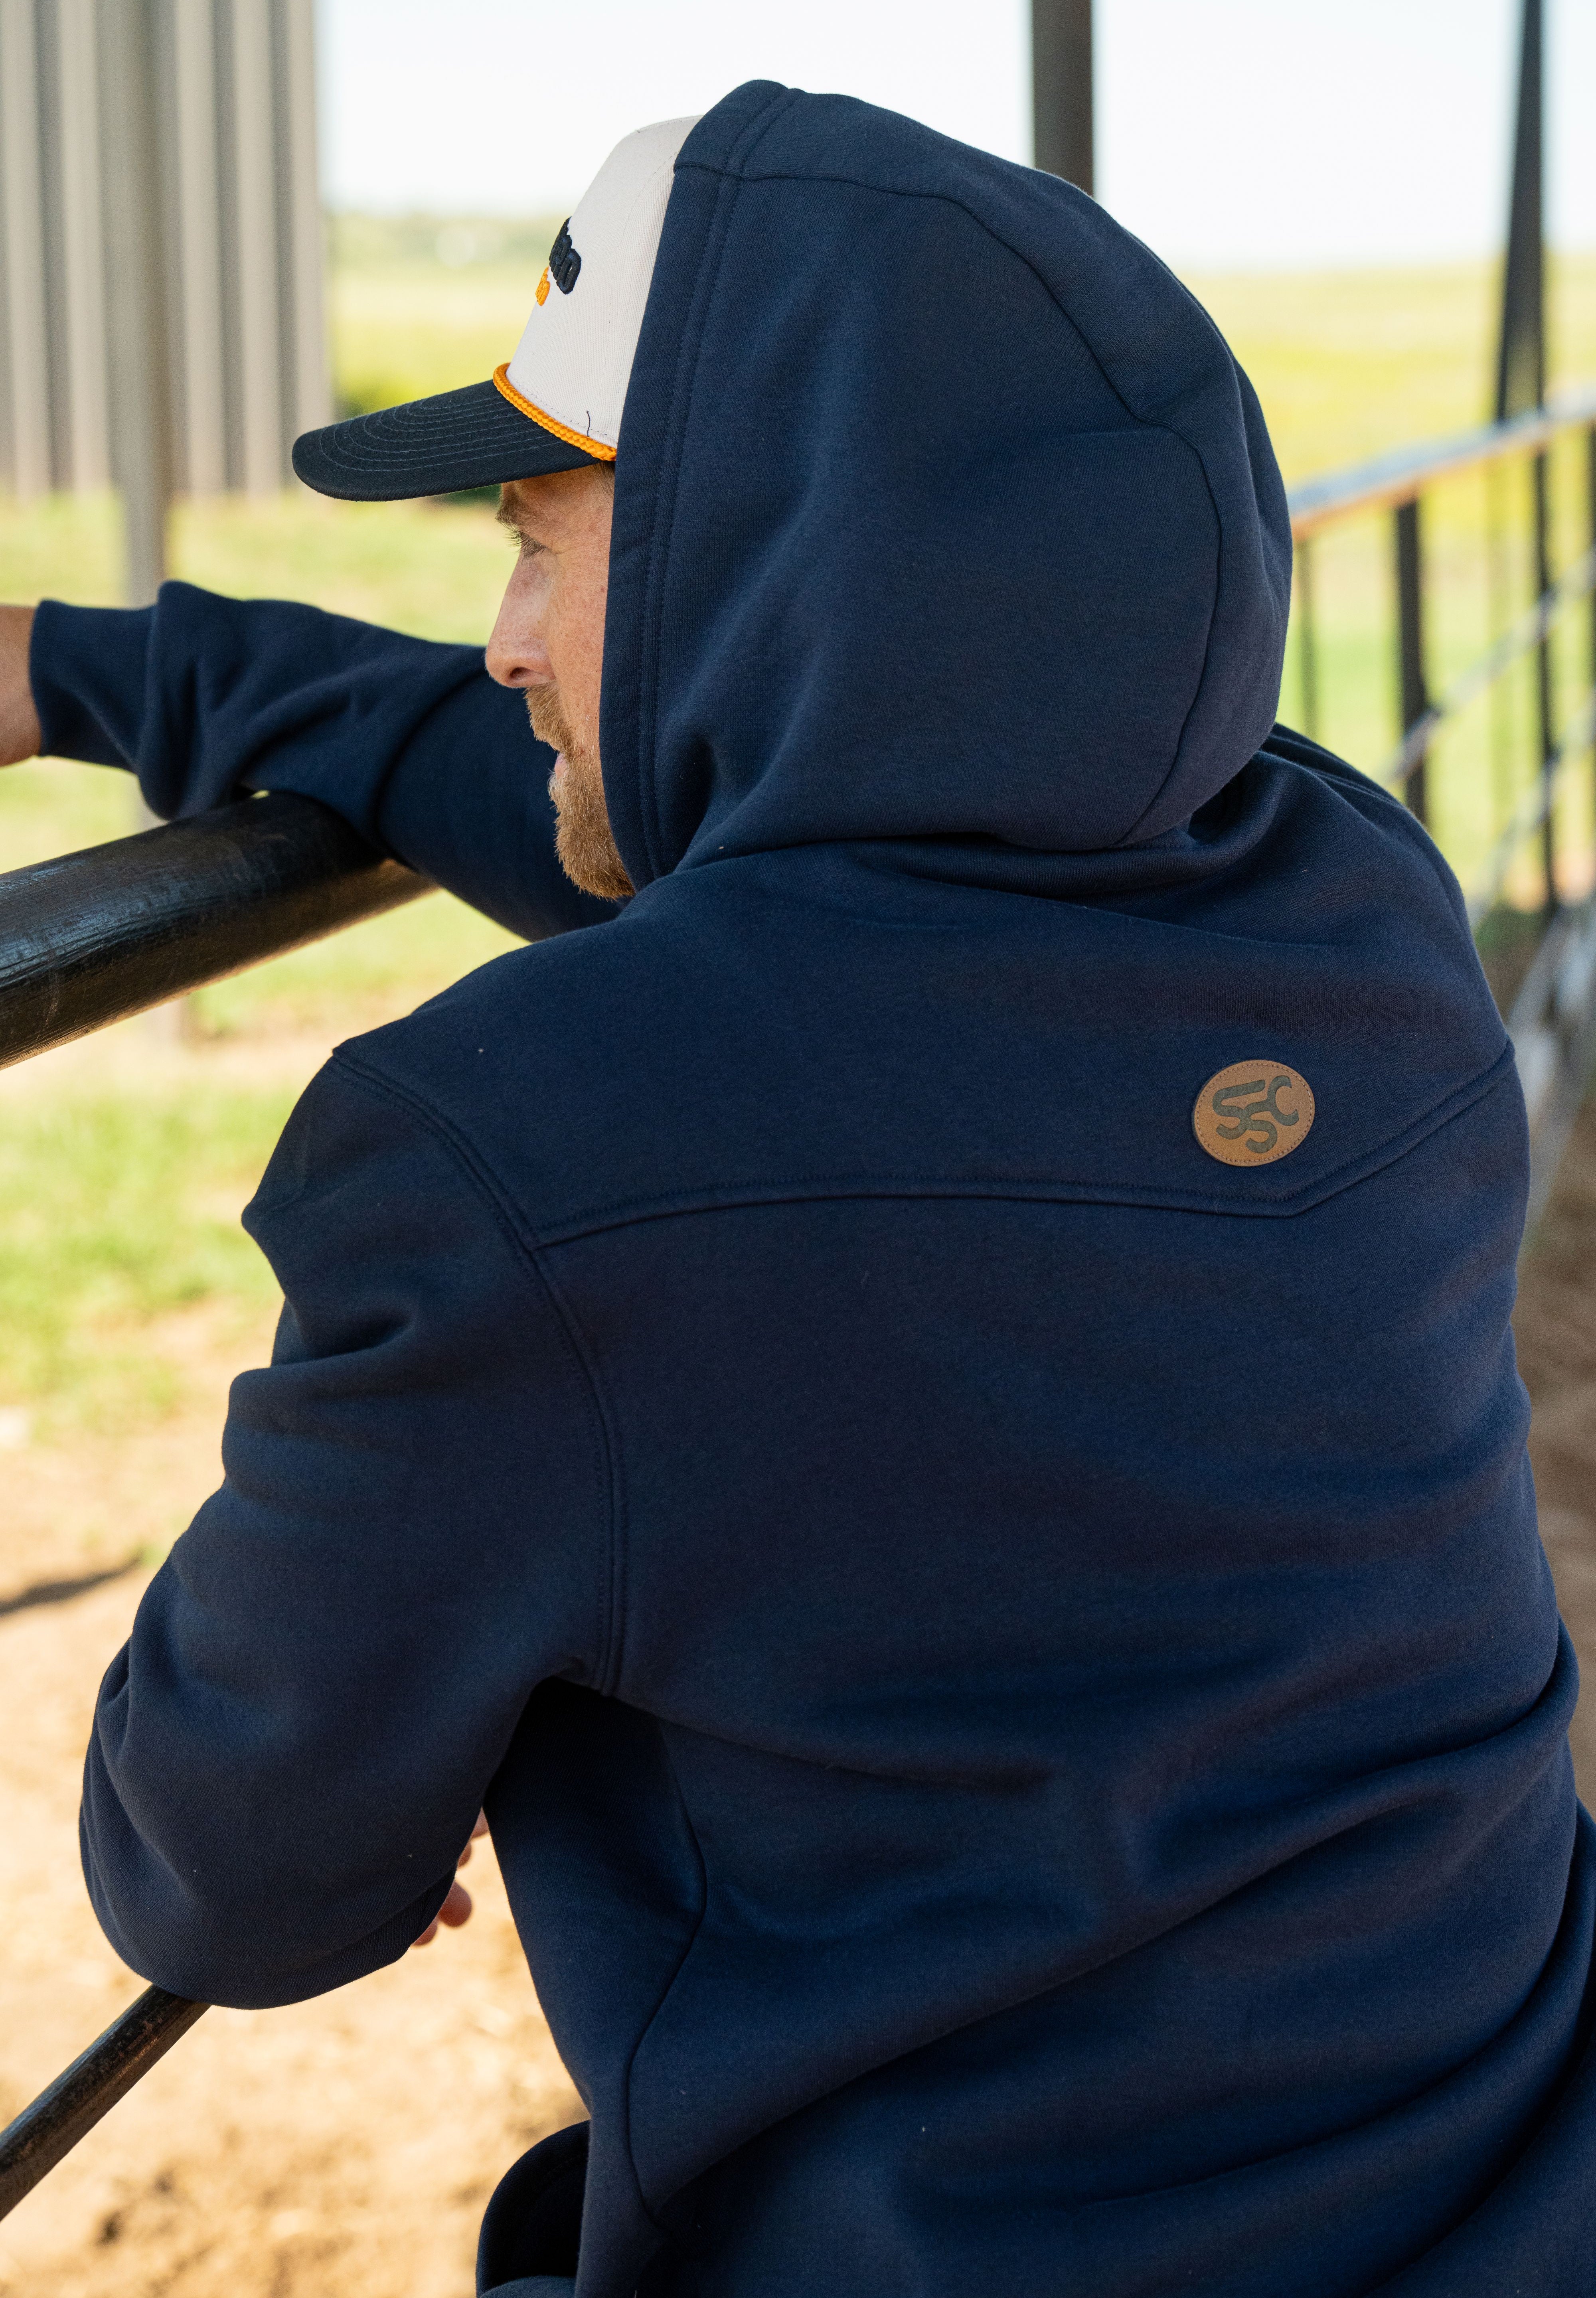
(1231,134)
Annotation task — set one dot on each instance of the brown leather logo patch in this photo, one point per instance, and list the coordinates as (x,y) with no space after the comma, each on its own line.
(1254,1112)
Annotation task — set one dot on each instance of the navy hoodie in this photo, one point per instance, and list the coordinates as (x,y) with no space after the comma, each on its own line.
(1019,1698)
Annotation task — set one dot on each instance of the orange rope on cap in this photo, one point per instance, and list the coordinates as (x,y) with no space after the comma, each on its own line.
(594,447)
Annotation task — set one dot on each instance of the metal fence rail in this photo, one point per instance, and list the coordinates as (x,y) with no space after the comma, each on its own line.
(49,2129)
(93,936)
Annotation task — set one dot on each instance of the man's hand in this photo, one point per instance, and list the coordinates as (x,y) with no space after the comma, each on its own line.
(18,719)
(456,1908)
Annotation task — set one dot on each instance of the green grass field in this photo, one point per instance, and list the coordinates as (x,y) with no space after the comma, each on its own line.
(118,1200)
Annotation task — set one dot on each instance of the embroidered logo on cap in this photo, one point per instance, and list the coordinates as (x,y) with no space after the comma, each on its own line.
(1254,1112)
(563,265)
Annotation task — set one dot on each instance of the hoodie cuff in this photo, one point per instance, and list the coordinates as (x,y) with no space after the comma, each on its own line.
(88,667)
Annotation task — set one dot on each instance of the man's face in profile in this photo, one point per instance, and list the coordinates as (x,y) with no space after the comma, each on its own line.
(548,641)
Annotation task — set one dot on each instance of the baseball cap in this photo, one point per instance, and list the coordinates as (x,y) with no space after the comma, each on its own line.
(556,402)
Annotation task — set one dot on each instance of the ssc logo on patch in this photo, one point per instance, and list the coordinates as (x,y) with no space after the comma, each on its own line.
(1254,1112)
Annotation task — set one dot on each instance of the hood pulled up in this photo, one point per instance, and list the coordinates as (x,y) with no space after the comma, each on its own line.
(943,511)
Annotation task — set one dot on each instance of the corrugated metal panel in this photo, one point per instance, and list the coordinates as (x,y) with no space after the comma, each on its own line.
(222,166)
(25,395)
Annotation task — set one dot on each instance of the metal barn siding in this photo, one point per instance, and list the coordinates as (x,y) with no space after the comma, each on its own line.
(161,248)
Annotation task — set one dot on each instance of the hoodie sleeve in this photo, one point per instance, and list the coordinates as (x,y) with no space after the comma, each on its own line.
(288,1754)
(206,698)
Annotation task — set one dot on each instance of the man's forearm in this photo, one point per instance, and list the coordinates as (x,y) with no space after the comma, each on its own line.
(206,698)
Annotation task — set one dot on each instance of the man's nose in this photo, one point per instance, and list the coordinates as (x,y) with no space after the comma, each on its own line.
(517,654)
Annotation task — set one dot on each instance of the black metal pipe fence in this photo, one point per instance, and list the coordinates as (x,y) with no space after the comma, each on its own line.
(93,936)
(49,2129)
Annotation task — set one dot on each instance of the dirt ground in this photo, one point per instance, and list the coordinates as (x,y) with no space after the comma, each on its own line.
(347,2146)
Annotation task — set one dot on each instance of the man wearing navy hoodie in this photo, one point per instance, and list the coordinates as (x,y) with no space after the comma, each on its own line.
(926,1414)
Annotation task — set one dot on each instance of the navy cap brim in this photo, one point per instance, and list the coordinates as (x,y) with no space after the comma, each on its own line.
(438,446)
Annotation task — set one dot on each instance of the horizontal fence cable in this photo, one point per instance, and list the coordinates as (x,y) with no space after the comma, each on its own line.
(48,2130)
(1530,630)
(90,938)
(1530,814)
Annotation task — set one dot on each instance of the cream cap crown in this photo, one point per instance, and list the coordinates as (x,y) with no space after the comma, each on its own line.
(572,366)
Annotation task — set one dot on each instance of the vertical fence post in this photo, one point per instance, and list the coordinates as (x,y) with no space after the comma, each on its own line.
(1521,352)
(1308,636)
(1545,720)
(1409,627)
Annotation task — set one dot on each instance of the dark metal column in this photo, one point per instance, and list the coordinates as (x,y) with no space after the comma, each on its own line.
(1521,367)
(1415,700)
(1061,80)
(1521,353)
